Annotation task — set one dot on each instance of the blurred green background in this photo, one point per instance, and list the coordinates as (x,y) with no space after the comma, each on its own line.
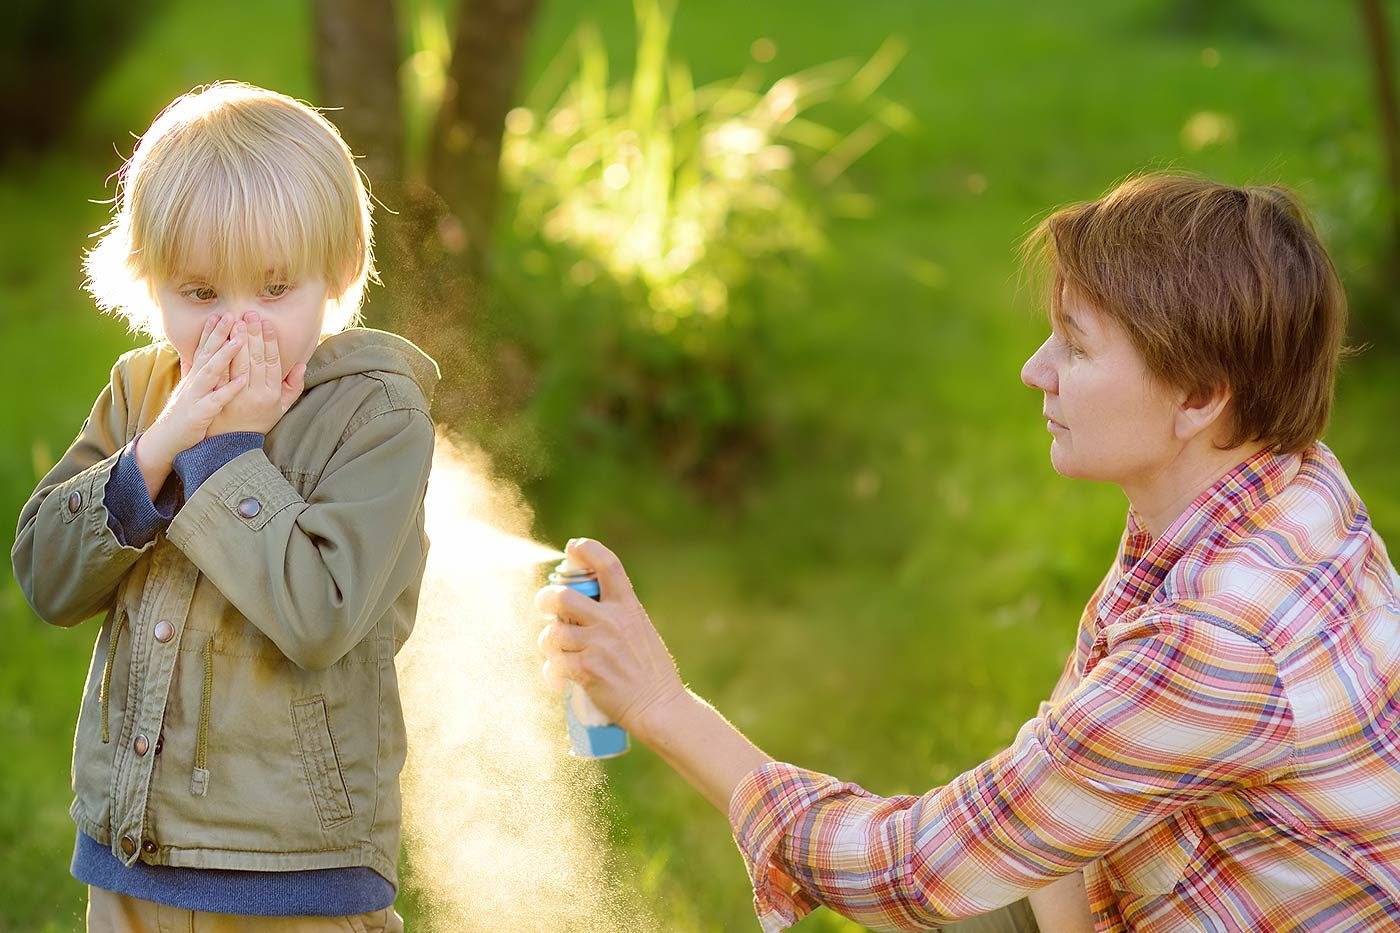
(835,497)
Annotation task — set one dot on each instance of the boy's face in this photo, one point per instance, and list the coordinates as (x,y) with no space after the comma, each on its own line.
(296,310)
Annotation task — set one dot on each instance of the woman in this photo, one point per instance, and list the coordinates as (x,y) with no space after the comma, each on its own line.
(1220,752)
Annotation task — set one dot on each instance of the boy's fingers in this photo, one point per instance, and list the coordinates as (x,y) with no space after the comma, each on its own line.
(293,386)
(225,393)
(201,347)
(216,368)
(240,359)
(252,325)
(217,334)
(272,355)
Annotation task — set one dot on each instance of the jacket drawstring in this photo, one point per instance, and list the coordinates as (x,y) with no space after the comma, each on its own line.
(199,780)
(106,689)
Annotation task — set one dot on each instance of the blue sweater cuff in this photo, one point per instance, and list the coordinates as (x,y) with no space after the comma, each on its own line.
(131,514)
(204,459)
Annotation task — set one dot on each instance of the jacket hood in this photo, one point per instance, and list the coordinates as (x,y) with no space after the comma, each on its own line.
(361,350)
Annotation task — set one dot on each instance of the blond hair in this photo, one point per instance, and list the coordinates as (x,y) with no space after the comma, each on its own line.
(258,181)
(1217,287)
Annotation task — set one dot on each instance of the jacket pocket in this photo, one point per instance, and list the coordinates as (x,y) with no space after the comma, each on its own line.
(1156,861)
(320,761)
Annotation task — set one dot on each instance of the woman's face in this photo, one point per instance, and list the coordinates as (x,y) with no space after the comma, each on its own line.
(1109,418)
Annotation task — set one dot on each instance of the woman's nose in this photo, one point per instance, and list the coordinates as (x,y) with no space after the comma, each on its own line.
(1039,373)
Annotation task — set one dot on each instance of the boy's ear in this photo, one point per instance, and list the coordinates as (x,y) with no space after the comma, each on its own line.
(1200,412)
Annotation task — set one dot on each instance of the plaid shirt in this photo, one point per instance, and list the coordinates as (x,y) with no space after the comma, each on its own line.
(1221,753)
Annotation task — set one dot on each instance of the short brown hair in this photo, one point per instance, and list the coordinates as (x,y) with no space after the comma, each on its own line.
(1216,287)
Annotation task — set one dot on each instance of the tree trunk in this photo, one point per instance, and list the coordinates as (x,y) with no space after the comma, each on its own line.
(357,70)
(432,240)
(488,50)
(1377,31)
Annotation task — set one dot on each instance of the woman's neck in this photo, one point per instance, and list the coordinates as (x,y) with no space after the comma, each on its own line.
(1160,497)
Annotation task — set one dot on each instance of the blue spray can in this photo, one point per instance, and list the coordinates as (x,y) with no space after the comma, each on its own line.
(591,733)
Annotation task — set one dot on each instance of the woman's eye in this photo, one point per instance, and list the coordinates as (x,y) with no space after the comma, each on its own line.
(277,289)
(200,293)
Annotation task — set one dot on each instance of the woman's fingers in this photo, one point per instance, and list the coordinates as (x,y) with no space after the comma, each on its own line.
(560,636)
(565,603)
(556,672)
(612,577)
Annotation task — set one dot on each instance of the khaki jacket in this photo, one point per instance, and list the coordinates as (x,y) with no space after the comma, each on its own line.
(242,707)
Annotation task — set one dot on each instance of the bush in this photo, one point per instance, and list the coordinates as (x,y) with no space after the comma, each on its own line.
(661,231)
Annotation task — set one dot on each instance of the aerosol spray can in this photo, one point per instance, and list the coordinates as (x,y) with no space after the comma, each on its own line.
(591,734)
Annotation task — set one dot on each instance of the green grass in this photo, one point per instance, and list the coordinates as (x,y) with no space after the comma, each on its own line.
(895,591)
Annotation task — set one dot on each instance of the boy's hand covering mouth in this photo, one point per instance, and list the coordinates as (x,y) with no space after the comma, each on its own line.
(205,388)
(267,390)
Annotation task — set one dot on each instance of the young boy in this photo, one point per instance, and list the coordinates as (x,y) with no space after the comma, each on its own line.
(245,504)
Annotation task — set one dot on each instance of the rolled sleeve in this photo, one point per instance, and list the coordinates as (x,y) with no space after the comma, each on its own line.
(762,807)
(1174,715)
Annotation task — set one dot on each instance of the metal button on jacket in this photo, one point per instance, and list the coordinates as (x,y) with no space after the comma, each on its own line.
(149,847)
(75,502)
(160,741)
(249,507)
(128,845)
(141,745)
(164,631)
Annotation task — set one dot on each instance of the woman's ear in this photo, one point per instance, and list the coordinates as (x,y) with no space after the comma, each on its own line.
(1200,412)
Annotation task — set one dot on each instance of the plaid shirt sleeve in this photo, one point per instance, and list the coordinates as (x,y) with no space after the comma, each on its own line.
(1168,711)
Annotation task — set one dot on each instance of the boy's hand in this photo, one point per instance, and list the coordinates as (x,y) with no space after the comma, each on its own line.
(267,391)
(200,395)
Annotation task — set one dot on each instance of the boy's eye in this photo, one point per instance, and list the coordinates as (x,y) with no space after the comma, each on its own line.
(277,289)
(200,293)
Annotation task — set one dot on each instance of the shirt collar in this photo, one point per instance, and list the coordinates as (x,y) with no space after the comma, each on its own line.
(1145,563)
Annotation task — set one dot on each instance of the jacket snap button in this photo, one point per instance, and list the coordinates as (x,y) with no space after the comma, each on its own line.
(142,745)
(75,502)
(128,845)
(148,847)
(249,507)
(164,631)
(160,742)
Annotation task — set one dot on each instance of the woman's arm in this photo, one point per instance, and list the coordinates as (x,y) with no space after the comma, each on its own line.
(634,678)
(1095,771)
(1063,906)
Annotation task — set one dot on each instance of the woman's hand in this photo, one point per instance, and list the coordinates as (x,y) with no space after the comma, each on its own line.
(201,394)
(267,391)
(609,646)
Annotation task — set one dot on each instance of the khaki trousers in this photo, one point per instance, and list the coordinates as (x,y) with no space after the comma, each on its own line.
(116,913)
